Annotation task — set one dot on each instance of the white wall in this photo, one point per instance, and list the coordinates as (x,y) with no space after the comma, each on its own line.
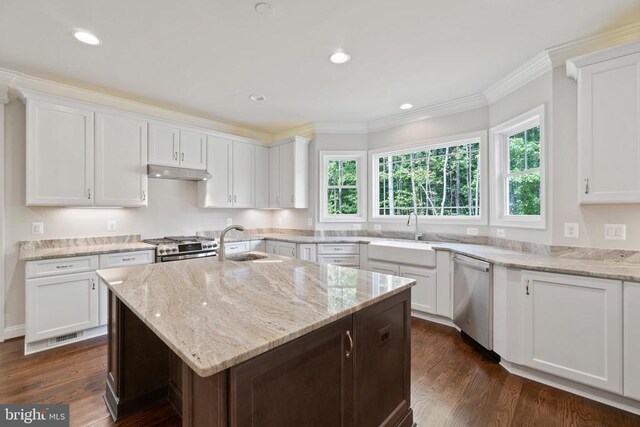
(172,211)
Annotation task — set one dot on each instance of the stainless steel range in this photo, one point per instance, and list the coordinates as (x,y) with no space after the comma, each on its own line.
(176,248)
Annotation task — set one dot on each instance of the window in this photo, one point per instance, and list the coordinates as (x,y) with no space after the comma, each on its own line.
(440,180)
(518,147)
(342,177)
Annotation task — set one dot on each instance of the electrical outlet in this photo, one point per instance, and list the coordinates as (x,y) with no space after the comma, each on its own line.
(571,230)
(377,227)
(472,231)
(229,221)
(111,225)
(357,227)
(500,232)
(37,228)
(615,231)
(309,222)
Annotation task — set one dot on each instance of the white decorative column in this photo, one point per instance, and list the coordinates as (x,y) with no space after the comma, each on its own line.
(4,99)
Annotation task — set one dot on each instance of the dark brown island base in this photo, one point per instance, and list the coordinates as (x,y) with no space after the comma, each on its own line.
(339,357)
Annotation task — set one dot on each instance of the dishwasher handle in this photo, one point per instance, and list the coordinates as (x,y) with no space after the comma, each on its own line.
(472,263)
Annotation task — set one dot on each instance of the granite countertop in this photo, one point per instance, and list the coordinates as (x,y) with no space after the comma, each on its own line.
(293,238)
(215,315)
(582,267)
(28,253)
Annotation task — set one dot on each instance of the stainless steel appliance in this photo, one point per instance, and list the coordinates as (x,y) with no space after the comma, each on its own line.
(176,248)
(473,299)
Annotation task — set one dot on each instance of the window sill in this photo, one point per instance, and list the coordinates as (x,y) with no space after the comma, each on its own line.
(344,220)
(431,220)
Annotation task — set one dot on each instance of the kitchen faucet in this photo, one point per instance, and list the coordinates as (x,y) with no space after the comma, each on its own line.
(221,254)
(417,235)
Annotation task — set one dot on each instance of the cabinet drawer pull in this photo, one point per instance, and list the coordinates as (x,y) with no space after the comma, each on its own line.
(93,285)
(144,196)
(64,266)
(128,259)
(235,199)
(527,287)
(175,155)
(586,186)
(348,352)
(182,157)
(89,193)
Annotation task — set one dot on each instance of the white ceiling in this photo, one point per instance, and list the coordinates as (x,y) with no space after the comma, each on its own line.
(207,57)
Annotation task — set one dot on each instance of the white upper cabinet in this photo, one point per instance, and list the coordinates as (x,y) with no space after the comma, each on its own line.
(631,340)
(193,149)
(572,327)
(288,179)
(232,166)
(608,124)
(120,160)
(59,153)
(261,177)
(164,145)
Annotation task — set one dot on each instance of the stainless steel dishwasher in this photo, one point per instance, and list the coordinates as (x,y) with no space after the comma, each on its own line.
(473,299)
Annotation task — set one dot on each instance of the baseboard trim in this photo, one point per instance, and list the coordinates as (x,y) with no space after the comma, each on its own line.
(434,318)
(14,331)
(602,396)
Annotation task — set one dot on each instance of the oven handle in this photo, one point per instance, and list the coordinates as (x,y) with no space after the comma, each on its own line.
(189,256)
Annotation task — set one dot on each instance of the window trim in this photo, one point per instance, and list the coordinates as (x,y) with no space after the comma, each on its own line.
(361,184)
(499,136)
(478,136)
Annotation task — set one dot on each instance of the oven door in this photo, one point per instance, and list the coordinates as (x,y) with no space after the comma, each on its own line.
(168,258)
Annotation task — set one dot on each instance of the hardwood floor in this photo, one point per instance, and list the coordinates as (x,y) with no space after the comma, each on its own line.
(452,385)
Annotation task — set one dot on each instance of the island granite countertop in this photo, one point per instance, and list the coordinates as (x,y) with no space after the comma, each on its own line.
(214,315)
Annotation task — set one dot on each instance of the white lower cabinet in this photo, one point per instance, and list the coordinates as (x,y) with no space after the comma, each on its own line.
(307,252)
(60,305)
(631,326)
(572,328)
(423,294)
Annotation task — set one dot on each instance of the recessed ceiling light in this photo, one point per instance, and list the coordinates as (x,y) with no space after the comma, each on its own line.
(257,98)
(339,57)
(86,37)
(264,9)
(406,106)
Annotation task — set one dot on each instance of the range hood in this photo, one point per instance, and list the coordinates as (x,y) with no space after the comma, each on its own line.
(170,172)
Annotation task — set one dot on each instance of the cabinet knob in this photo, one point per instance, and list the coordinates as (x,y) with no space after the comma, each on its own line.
(175,155)
(182,157)
(235,198)
(93,285)
(348,352)
(229,198)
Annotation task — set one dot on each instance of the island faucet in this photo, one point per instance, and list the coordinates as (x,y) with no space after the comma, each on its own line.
(417,235)
(221,254)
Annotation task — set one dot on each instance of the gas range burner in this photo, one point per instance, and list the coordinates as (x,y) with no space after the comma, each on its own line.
(174,248)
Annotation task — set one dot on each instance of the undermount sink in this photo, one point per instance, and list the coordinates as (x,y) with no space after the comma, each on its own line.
(403,252)
(246,257)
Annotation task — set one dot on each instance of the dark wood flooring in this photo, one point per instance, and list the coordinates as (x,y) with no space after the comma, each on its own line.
(452,385)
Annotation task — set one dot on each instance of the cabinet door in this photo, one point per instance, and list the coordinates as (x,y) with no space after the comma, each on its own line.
(59,155)
(61,305)
(243,171)
(609,131)
(261,177)
(383,362)
(307,382)
(121,160)
(631,340)
(423,294)
(307,252)
(286,249)
(572,327)
(287,175)
(164,144)
(193,149)
(216,192)
(274,177)
(271,246)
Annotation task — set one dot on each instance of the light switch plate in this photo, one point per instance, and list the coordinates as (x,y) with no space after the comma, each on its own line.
(229,221)
(309,222)
(472,231)
(571,230)
(37,228)
(111,225)
(500,232)
(615,231)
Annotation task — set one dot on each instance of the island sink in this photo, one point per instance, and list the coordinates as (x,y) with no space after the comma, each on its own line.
(246,257)
(283,343)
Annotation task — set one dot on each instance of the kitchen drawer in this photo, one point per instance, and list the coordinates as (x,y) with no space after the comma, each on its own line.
(342,248)
(287,249)
(236,247)
(126,259)
(347,261)
(57,266)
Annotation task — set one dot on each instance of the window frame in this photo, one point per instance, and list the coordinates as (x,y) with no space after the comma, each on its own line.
(499,136)
(431,144)
(361,185)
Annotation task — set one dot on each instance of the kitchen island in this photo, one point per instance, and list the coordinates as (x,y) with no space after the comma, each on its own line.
(268,341)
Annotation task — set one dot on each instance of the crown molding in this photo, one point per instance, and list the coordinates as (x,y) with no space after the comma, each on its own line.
(450,107)
(525,73)
(341,127)
(560,53)
(21,81)
(306,130)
